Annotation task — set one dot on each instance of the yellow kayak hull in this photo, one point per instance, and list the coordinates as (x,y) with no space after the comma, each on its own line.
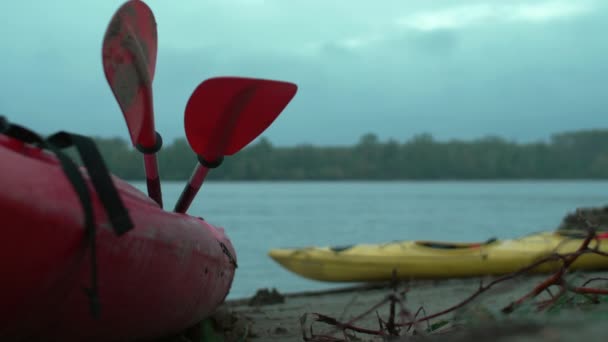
(428,260)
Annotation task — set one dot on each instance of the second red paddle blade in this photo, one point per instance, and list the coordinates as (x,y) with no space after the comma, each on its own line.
(224,114)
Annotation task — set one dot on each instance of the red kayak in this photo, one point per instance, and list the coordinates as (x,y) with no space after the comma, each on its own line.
(165,274)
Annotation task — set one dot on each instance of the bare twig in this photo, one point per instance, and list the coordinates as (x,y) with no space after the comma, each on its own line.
(343,326)
(589,281)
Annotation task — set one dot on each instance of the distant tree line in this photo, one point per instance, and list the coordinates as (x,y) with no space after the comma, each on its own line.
(570,155)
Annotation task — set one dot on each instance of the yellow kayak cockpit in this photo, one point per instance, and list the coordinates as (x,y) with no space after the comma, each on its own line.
(453,245)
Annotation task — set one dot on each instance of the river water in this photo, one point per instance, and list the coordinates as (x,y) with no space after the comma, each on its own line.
(259,216)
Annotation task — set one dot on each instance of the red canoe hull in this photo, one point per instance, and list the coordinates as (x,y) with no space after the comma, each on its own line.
(169,272)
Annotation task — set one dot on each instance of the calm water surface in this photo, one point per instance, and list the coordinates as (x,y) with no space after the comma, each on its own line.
(259,216)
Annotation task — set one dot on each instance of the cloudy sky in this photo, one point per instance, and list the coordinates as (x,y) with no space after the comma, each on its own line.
(457,69)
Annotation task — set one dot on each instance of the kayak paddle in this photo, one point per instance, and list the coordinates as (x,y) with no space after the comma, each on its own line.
(223,115)
(129,60)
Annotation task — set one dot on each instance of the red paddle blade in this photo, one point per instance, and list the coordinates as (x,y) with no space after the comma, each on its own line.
(129,60)
(224,114)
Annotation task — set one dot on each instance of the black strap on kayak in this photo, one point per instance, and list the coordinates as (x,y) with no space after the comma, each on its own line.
(3,124)
(117,213)
(100,177)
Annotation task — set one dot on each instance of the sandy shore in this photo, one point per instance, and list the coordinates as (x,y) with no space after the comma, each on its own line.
(259,320)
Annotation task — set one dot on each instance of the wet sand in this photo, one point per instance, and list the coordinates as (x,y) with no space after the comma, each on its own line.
(259,320)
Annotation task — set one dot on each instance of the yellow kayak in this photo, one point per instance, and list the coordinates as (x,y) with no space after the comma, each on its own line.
(430,259)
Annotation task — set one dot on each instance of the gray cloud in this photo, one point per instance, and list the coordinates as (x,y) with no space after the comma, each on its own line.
(370,70)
